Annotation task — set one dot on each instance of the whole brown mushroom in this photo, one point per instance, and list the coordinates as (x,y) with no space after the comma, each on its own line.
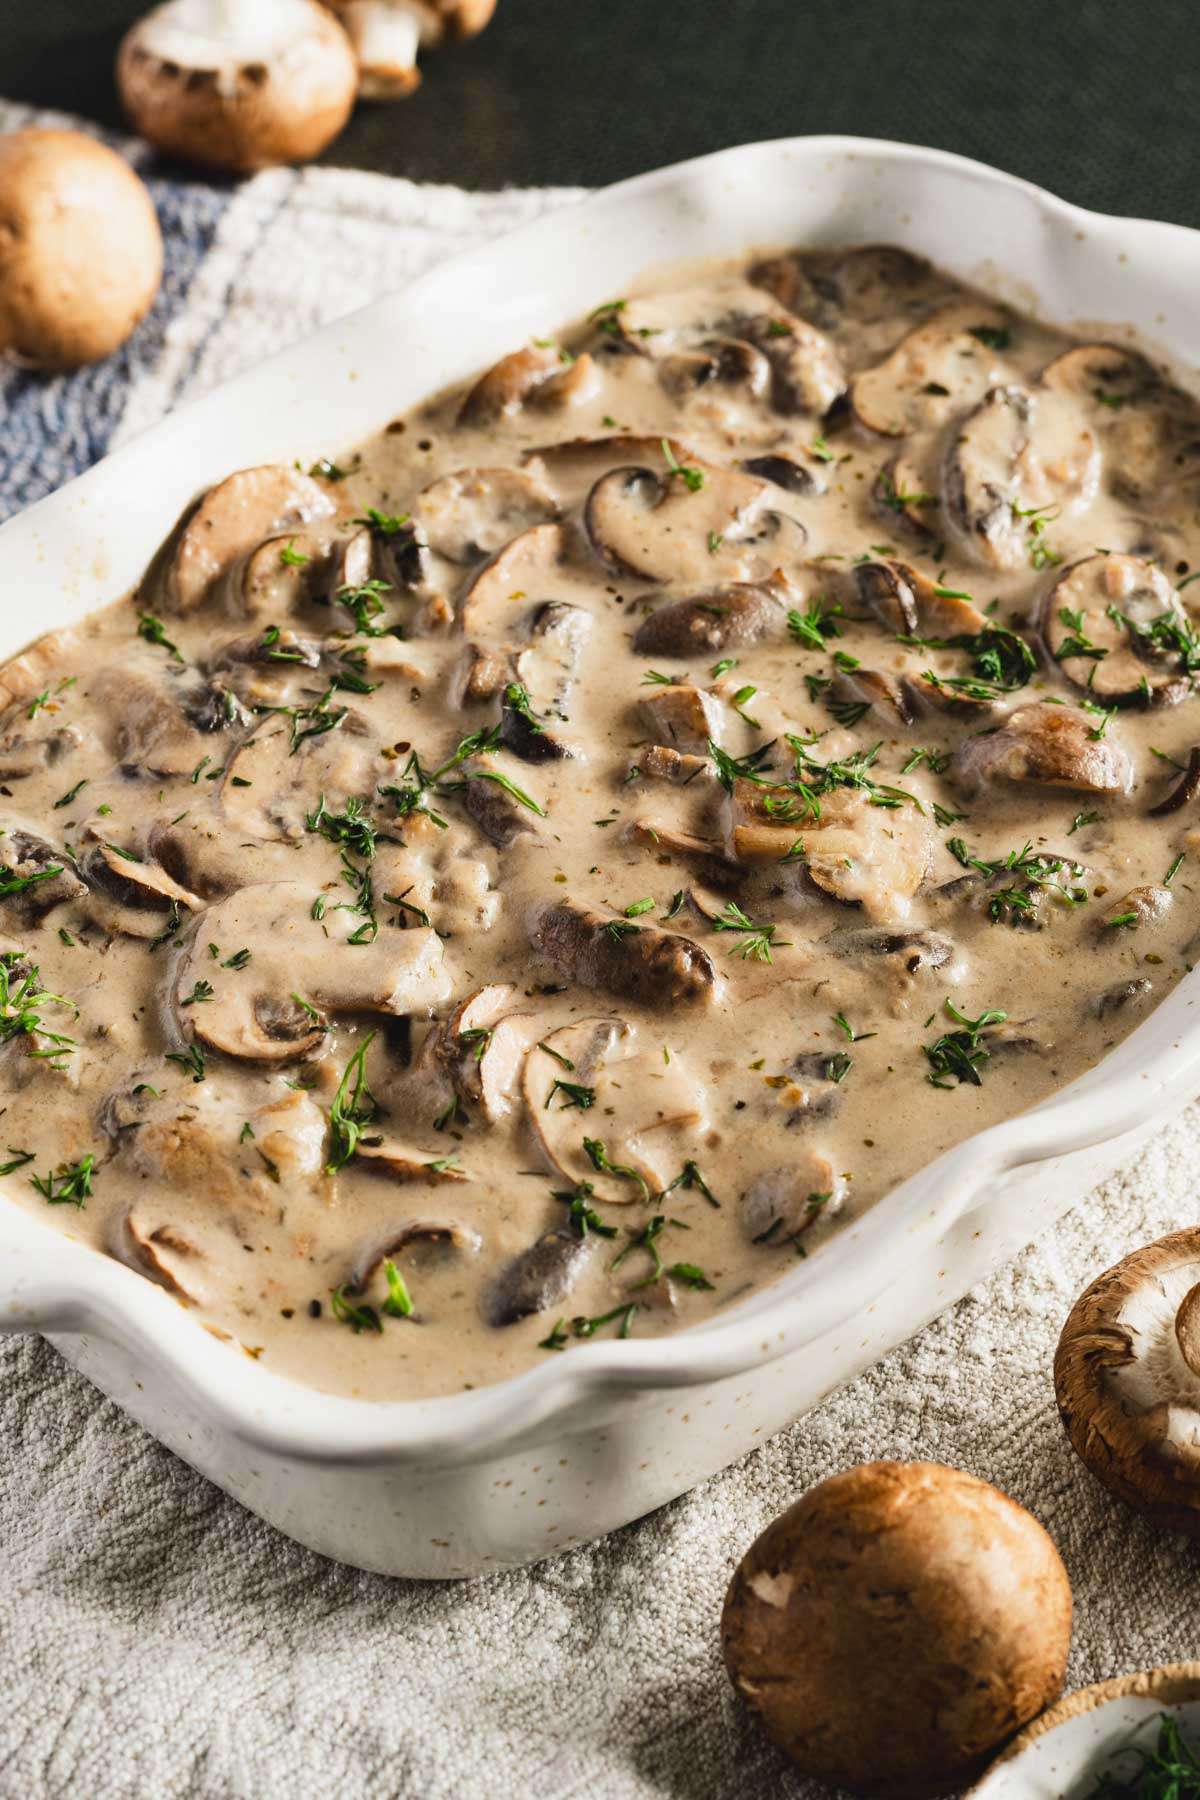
(80,249)
(1127,1378)
(388,35)
(236,86)
(896,1625)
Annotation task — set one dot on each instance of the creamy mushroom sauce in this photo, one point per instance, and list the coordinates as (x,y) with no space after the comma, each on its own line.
(539,905)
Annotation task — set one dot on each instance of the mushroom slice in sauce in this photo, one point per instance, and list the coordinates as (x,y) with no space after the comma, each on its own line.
(1185,789)
(482,1047)
(231,520)
(861,296)
(1016,461)
(783,471)
(662,762)
(864,855)
(663,527)
(716,362)
(855,691)
(502,390)
(276,579)
(131,894)
(1141,907)
(169,1254)
(546,668)
(941,367)
(1146,427)
(468,516)
(272,782)
(910,604)
(263,1011)
(35,876)
(490,801)
(403,1162)
(682,716)
(908,488)
(631,961)
(1121,995)
(914,950)
(781,1204)
(538,1278)
(525,569)
(1116,628)
(164,723)
(1052,746)
(713,619)
(647,1112)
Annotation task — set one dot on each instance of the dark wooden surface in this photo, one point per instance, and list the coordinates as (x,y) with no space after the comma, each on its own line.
(1092,98)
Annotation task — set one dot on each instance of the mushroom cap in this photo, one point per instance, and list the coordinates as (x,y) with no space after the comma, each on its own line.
(238,87)
(80,249)
(1127,1380)
(896,1625)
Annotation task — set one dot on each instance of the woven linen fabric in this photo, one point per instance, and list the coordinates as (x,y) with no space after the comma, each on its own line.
(157,1640)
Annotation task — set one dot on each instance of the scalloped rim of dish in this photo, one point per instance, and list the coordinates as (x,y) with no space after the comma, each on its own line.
(53,1284)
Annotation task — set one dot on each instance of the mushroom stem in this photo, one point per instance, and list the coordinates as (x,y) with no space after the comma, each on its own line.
(386,37)
(1187,1329)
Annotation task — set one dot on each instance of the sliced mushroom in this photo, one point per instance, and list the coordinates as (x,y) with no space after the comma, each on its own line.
(489,800)
(909,603)
(939,369)
(781,1204)
(469,516)
(855,691)
(502,390)
(1185,789)
(646,1111)
(131,894)
(813,1090)
(712,619)
(546,667)
(1133,993)
(482,674)
(1139,908)
(906,489)
(38,667)
(663,527)
(1053,746)
(633,962)
(29,749)
(425,1238)
(164,722)
(717,362)
(915,951)
(524,570)
(482,1047)
(35,876)
(1014,459)
(682,716)
(231,519)
(276,579)
(273,780)
(863,855)
(854,294)
(537,1278)
(263,1011)
(1147,428)
(783,471)
(660,762)
(1103,622)
(403,1162)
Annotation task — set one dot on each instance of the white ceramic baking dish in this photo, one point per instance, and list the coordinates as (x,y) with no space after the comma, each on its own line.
(602,1434)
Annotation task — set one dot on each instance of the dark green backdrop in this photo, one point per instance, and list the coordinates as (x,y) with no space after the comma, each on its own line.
(1096,99)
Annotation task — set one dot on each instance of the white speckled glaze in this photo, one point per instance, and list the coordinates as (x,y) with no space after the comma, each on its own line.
(589,1440)
(1063,1753)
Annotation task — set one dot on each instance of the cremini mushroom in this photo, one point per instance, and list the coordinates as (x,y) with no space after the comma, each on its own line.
(1018,461)
(631,961)
(1127,1379)
(594,1076)
(944,365)
(897,1625)
(388,35)
(680,525)
(779,1205)
(494,603)
(682,716)
(1117,629)
(1055,746)
(711,619)
(230,522)
(236,86)
(80,249)
(35,875)
(270,1006)
(482,1048)
(470,515)
(537,1278)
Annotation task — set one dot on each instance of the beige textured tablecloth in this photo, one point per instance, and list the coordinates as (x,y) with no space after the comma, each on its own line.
(156,1640)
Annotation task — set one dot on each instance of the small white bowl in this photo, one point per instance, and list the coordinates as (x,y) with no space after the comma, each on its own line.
(1063,1753)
